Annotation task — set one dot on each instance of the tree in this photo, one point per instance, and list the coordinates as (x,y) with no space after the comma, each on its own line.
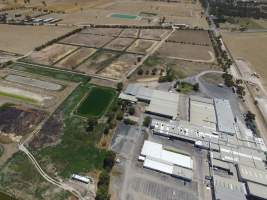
(250,116)
(131,110)
(196,87)
(91,124)
(147,121)
(109,161)
(119,86)
(240,90)
(228,79)
(119,115)
(140,72)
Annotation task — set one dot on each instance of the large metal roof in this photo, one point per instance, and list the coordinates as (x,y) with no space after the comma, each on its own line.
(257,190)
(202,113)
(228,189)
(253,175)
(155,151)
(225,117)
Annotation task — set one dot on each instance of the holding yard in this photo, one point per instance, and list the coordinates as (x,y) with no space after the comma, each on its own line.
(187,52)
(51,54)
(191,37)
(97,102)
(73,60)
(87,40)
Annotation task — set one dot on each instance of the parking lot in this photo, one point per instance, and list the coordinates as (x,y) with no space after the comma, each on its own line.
(133,182)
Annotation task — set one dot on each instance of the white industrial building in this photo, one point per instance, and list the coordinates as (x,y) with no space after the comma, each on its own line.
(79,178)
(161,103)
(225,117)
(156,157)
(202,112)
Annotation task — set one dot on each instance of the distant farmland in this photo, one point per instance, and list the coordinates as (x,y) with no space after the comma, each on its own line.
(96,103)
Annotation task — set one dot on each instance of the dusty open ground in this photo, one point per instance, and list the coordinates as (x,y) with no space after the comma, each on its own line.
(103,31)
(252,48)
(74,59)
(51,54)
(97,62)
(141,46)
(187,52)
(99,12)
(120,67)
(88,40)
(22,39)
(191,37)
(133,33)
(153,34)
(120,44)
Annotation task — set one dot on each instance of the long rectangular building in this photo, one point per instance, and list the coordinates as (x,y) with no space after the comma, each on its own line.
(225,117)
(157,158)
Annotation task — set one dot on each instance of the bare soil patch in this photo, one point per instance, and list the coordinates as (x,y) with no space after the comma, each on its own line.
(141,46)
(103,31)
(120,44)
(73,60)
(153,34)
(89,40)
(22,39)
(190,37)
(120,67)
(186,52)
(132,33)
(97,62)
(250,47)
(51,54)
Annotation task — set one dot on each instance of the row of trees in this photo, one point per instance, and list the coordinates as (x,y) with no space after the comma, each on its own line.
(58,39)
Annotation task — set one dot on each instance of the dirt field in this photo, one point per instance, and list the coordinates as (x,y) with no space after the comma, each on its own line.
(51,54)
(5,56)
(103,31)
(132,33)
(191,37)
(120,44)
(141,46)
(89,40)
(153,34)
(186,52)
(22,39)
(120,67)
(73,60)
(250,47)
(97,62)
(182,69)
(160,8)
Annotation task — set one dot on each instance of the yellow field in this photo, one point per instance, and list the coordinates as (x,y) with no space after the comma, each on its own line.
(251,47)
(22,39)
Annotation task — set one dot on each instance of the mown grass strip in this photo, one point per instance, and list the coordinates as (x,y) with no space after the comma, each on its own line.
(22,98)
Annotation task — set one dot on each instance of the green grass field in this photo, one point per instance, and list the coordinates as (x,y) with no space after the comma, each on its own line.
(57,74)
(77,151)
(22,98)
(96,103)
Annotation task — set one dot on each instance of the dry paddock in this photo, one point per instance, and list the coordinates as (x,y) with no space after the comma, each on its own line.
(252,47)
(22,39)
(195,53)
